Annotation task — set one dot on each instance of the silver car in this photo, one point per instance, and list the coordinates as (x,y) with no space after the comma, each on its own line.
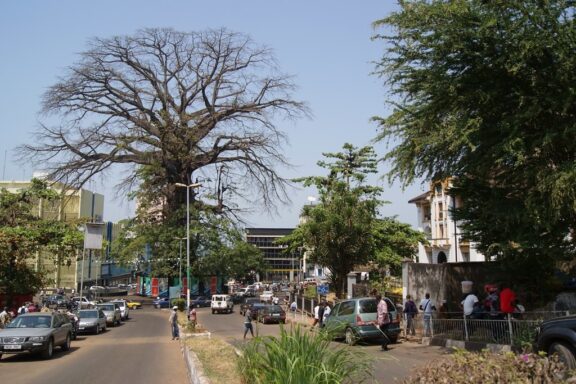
(36,332)
(112,312)
(91,320)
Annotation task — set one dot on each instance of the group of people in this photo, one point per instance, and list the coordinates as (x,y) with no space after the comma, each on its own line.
(321,312)
(173,320)
(411,311)
(498,303)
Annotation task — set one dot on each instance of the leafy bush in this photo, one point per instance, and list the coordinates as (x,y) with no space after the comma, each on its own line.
(486,367)
(298,357)
(180,303)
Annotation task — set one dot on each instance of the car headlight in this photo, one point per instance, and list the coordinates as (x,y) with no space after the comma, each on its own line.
(37,339)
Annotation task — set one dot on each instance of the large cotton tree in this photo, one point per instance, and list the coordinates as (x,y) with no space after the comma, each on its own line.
(171,106)
(484,91)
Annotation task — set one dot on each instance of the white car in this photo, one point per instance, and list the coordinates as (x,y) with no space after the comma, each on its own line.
(222,303)
(83,302)
(266,296)
(124,310)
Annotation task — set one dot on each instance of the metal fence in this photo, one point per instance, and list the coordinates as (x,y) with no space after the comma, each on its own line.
(507,329)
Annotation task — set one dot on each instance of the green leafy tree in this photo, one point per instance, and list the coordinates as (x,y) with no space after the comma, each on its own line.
(23,235)
(394,243)
(337,232)
(483,91)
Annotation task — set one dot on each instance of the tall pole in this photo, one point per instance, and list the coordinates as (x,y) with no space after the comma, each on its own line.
(187,247)
(180,264)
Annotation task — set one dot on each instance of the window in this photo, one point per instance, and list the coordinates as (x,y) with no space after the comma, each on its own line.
(368,306)
(347,308)
(335,309)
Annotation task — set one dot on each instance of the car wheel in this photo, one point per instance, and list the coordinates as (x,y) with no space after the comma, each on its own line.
(565,354)
(49,351)
(105,328)
(66,345)
(97,329)
(213,311)
(350,337)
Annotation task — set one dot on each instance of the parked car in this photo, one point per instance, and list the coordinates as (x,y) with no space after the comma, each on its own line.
(200,301)
(91,320)
(247,302)
(246,292)
(272,314)
(356,319)
(558,336)
(132,304)
(112,312)
(163,302)
(222,303)
(124,311)
(37,332)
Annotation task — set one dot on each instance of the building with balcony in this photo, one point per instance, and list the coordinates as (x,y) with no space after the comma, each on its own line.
(445,243)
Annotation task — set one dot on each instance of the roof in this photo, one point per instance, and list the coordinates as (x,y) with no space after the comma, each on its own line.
(268,231)
(419,198)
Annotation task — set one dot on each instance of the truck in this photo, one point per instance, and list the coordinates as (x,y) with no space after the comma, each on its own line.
(222,303)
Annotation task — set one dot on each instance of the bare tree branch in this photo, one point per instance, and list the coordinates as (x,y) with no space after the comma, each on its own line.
(170,104)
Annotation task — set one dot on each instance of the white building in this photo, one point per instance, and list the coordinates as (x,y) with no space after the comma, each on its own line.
(445,243)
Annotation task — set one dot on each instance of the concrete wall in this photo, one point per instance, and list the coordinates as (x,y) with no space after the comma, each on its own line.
(444,281)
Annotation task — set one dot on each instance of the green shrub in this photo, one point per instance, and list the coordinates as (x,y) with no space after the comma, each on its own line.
(486,367)
(298,357)
(180,303)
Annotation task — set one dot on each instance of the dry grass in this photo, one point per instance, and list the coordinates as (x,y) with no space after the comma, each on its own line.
(218,359)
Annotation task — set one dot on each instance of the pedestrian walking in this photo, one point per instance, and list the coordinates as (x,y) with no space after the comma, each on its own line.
(4,318)
(383,319)
(173,320)
(293,308)
(427,306)
(248,323)
(410,312)
(192,315)
(316,316)
(327,310)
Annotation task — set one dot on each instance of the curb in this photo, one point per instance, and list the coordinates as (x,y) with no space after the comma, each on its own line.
(467,345)
(193,364)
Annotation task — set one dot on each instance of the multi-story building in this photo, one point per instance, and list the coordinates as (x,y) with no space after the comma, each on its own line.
(74,204)
(281,265)
(445,243)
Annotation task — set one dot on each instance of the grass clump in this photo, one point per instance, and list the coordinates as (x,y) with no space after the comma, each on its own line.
(298,357)
(486,367)
(218,359)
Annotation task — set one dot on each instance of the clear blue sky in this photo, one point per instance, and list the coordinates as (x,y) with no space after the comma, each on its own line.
(325,44)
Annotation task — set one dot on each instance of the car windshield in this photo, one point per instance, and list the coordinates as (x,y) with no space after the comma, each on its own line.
(120,303)
(88,314)
(31,322)
(107,307)
(275,309)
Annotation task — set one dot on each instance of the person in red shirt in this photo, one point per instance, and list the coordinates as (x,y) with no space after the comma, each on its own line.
(507,300)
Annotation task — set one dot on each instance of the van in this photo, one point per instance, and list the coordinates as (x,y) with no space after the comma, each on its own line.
(222,303)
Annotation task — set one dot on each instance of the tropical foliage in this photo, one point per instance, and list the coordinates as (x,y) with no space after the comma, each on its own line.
(483,91)
(25,236)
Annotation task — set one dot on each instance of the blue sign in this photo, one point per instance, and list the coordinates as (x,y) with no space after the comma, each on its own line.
(323,289)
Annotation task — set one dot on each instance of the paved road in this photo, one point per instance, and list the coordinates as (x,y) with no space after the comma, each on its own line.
(389,367)
(138,351)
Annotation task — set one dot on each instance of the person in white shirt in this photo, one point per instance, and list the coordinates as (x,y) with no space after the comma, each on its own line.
(427,306)
(468,304)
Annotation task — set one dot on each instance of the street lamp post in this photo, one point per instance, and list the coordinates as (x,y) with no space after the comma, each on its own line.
(188,186)
(180,260)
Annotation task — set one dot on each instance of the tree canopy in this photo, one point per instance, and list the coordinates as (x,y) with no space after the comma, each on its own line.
(484,91)
(171,107)
(343,230)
